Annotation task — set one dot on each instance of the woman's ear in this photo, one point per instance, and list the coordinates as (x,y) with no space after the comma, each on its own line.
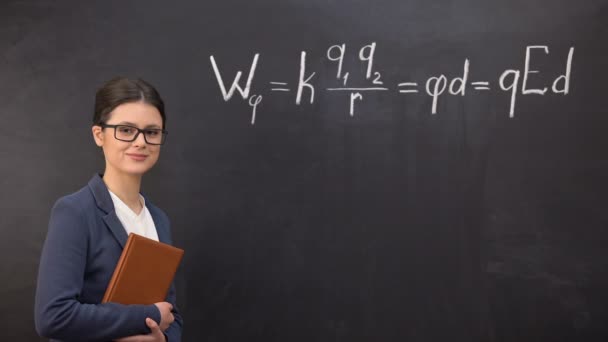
(97,135)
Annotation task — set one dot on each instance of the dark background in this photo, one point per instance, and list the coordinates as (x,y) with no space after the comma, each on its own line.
(311,225)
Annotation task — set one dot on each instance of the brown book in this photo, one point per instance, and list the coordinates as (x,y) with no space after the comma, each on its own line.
(144,272)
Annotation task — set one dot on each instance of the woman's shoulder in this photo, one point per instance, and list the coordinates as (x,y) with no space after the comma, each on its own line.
(79,199)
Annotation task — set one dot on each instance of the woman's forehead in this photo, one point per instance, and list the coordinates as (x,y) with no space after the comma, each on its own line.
(138,113)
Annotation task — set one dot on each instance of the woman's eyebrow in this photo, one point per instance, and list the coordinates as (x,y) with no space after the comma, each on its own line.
(132,124)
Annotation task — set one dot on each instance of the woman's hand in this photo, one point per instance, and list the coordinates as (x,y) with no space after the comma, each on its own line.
(166,316)
(155,336)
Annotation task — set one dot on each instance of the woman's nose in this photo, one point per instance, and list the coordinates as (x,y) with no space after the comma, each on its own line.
(140,139)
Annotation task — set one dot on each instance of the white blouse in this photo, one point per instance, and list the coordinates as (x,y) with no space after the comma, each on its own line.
(141,224)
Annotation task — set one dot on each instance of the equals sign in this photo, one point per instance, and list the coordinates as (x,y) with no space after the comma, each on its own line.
(278,84)
(408,84)
(481,85)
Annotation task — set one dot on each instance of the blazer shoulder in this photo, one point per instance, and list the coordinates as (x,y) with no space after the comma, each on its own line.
(80,199)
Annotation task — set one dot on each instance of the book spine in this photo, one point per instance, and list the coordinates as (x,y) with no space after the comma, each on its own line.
(123,256)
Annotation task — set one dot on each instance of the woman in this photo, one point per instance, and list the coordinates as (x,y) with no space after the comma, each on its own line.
(89,228)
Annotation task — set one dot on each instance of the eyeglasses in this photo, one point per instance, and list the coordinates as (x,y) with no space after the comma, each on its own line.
(152,136)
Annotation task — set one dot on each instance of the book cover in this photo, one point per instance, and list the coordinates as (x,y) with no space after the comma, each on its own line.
(144,272)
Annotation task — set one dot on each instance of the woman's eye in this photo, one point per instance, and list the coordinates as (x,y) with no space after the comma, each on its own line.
(126,130)
(152,133)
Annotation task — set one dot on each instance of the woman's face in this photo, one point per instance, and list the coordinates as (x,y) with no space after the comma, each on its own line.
(135,157)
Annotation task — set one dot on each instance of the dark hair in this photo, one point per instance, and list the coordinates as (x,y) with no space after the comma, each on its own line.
(121,90)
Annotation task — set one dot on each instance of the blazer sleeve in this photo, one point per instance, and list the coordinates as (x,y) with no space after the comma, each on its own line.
(57,313)
(174,332)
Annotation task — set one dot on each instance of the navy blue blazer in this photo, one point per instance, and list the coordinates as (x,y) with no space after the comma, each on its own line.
(84,241)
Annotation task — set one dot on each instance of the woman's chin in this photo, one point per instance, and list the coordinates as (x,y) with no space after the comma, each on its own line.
(137,170)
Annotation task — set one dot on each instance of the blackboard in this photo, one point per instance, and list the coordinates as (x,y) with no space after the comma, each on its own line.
(352,218)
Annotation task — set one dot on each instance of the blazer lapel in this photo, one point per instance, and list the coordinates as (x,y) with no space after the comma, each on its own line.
(104,202)
(161,226)
(116,228)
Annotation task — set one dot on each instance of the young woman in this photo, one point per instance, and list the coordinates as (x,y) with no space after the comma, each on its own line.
(89,228)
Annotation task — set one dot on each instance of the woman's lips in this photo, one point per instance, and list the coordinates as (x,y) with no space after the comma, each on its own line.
(138,157)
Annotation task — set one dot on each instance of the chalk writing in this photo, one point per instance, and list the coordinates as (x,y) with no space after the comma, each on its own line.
(435,86)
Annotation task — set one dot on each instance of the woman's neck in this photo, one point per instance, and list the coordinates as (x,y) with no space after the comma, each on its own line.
(125,186)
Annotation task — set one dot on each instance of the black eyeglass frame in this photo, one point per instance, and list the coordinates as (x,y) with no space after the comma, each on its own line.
(162,139)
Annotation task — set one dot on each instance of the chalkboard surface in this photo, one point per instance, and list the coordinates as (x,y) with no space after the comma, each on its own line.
(378,171)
